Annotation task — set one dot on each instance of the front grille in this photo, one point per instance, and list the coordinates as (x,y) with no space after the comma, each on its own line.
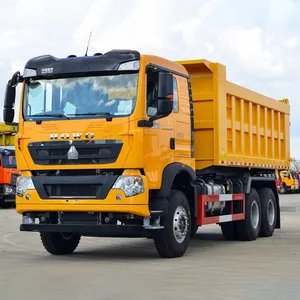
(83,186)
(72,190)
(75,152)
(78,172)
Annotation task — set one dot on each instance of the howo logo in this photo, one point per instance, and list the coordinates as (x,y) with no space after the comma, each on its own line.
(66,136)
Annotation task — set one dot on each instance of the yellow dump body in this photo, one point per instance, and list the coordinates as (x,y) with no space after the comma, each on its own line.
(7,134)
(233,125)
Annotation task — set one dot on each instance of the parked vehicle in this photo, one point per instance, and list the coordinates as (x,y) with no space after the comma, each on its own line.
(298,177)
(278,182)
(179,147)
(8,168)
(296,181)
(288,181)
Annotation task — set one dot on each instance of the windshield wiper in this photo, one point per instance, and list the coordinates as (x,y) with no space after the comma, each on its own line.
(51,115)
(100,113)
(108,115)
(55,115)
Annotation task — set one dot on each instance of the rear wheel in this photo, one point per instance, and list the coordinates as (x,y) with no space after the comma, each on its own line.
(268,212)
(248,229)
(229,231)
(173,239)
(58,243)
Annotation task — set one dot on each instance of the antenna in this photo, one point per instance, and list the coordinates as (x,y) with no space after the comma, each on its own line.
(87,48)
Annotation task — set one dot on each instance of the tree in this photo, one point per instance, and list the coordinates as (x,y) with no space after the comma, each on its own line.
(295,164)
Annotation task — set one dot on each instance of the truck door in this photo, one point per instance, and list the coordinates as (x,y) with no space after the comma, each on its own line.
(157,139)
(182,120)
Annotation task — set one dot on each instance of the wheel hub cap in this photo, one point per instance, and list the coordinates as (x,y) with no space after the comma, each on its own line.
(180,224)
(254,215)
(271,212)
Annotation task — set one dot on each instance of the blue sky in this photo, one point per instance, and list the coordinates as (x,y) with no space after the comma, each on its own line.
(258,41)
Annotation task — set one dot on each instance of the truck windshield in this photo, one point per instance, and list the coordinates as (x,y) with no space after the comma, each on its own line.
(9,161)
(80,97)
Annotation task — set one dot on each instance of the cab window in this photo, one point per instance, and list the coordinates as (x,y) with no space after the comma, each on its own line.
(152,84)
(175,97)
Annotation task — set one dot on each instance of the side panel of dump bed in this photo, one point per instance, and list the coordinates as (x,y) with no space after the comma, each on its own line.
(233,125)
(7,134)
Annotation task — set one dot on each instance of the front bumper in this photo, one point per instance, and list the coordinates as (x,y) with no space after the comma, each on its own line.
(90,230)
(111,200)
(9,199)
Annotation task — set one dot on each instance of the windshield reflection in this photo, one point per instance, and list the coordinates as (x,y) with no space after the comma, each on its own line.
(82,96)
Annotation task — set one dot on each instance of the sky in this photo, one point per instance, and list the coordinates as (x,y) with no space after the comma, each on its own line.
(258,41)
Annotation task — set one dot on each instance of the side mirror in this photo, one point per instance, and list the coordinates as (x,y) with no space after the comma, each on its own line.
(9,100)
(165,93)
(164,107)
(165,86)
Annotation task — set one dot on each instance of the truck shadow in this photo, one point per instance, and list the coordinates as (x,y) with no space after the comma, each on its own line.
(141,249)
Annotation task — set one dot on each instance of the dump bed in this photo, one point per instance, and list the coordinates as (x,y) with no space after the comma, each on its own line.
(7,134)
(233,125)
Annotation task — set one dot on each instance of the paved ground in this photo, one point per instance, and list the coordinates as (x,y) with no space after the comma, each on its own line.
(212,268)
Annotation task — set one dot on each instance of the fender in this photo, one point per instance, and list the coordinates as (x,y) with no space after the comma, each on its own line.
(169,174)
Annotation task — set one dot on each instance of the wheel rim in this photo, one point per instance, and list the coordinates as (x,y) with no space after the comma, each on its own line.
(180,224)
(254,214)
(271,212)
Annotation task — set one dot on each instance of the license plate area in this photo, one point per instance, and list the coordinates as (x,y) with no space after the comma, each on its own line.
(90,218)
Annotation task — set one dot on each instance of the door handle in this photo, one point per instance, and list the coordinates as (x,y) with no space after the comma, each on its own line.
(172,143)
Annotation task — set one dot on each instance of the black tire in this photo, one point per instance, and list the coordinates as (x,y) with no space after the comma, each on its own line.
(246,229)
(165,241)
(57,243)
(194,227)
(230,231)
(268,212)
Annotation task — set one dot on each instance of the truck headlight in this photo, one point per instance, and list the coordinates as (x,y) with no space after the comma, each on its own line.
(130,185)
(23,184)
(8,190)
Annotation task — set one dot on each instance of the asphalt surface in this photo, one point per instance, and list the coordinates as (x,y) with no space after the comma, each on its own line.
(100,269)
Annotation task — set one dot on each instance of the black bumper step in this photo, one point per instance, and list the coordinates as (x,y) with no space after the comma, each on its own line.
(89,230)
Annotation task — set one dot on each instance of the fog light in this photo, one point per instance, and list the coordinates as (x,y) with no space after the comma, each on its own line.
(119,197)
(28,220)
(27,197)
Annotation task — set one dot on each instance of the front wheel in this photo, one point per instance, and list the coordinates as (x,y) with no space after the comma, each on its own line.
(58,243)
(173,239)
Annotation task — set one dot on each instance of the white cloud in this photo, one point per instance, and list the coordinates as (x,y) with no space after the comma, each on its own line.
(292,42)
(258,41)
(295,147)
(250,46)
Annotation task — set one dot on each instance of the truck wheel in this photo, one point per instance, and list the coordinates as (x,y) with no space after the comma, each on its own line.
(248,229)
(173,239)
(58,243)
(194,227)
(268,212)
(229,231)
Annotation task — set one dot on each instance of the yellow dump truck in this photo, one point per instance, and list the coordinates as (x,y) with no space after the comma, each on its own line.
(130,145)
